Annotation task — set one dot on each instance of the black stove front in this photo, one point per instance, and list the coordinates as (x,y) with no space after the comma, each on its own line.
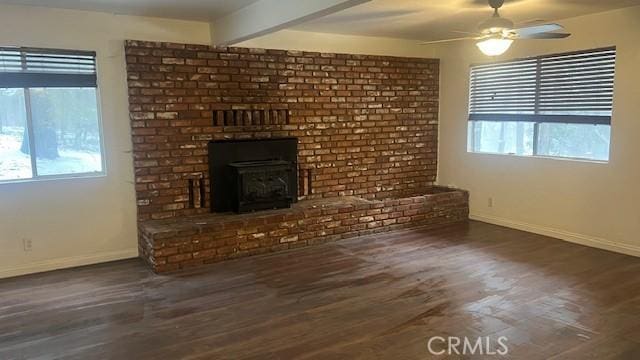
(261,185)
(253,175)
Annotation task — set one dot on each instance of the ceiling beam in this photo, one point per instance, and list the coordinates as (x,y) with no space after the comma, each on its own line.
(267,16)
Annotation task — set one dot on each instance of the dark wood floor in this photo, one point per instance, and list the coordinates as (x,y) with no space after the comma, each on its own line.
(376,297)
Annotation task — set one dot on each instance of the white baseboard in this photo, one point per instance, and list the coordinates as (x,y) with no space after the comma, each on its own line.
(63,263)
(561,234)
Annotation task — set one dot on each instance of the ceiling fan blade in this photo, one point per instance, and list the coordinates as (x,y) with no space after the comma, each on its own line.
(466,32)
(447,40)
(545,36)
(530,22)
(536,29)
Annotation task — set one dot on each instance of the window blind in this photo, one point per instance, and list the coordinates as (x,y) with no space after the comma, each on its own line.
(31,67)
(567,88)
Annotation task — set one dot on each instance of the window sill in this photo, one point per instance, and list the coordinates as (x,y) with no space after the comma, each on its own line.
(47,178)
(580,160)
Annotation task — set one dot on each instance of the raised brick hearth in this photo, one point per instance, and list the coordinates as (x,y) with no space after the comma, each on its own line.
(188,241)
(366,127)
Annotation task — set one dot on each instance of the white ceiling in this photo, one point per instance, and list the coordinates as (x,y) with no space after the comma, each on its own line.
(408,19)
(200,10)
(437,19)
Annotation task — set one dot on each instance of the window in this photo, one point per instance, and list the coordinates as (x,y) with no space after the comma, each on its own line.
(554,105)
(49,121)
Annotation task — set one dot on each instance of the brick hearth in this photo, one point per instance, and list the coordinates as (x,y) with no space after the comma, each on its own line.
(183,242)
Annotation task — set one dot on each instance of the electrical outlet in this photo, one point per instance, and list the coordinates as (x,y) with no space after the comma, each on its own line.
(490,202)
(27,244)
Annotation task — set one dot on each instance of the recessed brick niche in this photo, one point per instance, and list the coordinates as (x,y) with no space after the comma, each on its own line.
(367,140)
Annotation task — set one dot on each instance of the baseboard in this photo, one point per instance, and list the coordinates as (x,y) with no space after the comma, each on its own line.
(63,263)
(560,234)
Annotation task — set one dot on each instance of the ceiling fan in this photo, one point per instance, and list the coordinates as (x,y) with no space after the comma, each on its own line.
(496,34)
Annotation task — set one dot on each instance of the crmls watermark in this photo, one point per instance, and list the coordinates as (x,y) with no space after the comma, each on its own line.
(453,345)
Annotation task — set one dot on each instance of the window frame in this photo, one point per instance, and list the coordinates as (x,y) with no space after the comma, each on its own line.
(30,129)
(536,118)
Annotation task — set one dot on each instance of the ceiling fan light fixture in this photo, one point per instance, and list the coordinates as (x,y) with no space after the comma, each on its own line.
(494,47)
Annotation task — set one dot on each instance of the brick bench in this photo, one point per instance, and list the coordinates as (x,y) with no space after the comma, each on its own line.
(179,243)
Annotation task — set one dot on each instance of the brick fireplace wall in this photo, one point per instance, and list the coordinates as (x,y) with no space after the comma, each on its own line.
(367,125)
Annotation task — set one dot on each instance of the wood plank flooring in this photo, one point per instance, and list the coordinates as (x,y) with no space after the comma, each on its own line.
(377,297)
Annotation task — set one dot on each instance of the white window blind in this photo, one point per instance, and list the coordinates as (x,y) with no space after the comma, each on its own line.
(31,67)
(504,88)
(564,88)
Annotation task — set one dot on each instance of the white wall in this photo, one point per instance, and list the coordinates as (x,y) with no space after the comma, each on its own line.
(80,221)
(83,221)
(591,203)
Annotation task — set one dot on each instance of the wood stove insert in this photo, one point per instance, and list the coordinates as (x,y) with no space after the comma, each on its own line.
(253,175)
